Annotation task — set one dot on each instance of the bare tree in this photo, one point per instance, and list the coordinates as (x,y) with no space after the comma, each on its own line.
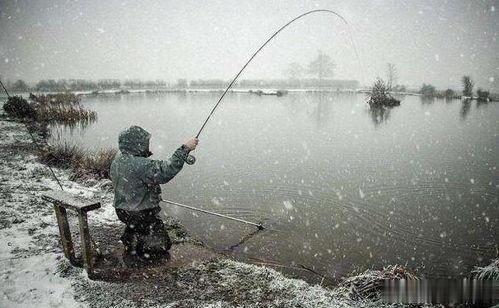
(427,90)
(468,86)
(322,66)
(391,76)
(20,86)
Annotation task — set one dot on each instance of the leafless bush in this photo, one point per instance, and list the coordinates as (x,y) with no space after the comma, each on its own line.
(380,95)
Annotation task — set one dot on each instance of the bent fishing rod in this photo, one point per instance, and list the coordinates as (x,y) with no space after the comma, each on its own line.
(191,159)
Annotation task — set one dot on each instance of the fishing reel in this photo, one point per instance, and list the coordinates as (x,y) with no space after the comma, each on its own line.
(190,160)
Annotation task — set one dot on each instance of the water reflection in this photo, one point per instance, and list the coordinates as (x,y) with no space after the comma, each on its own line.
(449,99)
(323,108)
(480,104)
(61,128)
(379,115)
(465,109)
(427,100)
(57,129)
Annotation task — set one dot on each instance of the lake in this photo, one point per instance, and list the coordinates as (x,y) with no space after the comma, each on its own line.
(338,186)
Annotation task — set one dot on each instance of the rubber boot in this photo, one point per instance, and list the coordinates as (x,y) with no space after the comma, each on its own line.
(127,239)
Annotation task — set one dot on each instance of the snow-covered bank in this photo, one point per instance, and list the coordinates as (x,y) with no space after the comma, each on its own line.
(29,250)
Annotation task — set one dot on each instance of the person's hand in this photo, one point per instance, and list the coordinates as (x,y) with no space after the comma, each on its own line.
(192,143)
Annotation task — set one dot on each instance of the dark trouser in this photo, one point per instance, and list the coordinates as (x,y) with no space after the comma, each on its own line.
(147,228)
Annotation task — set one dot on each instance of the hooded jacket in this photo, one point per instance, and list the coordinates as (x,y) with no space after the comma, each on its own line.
(135,178)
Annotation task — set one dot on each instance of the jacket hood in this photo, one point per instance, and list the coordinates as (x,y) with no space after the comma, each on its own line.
(135,141)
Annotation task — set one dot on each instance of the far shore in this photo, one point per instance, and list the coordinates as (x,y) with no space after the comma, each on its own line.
(214,90)
(255,91)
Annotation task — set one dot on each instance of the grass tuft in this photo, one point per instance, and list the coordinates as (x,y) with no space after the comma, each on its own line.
(65,114)
(62,155)
(61,108)
(83,164)
(94,165)
(490,271)
(56,99)
(367,285)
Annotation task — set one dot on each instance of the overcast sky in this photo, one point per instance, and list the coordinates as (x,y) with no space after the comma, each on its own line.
(429,41)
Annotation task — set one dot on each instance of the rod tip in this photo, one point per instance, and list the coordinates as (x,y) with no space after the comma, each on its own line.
(260,227)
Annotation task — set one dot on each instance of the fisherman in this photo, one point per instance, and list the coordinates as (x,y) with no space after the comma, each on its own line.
(137,192)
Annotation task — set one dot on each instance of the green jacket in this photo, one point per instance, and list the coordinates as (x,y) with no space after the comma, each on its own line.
(135,178)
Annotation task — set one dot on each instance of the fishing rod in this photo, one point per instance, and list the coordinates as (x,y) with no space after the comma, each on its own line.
(191,159)
(6,92)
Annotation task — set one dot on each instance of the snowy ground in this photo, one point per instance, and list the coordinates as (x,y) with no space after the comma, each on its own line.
(34,272)
(29,249)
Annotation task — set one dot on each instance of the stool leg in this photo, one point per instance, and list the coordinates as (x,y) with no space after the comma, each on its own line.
(86,248)
(67,242)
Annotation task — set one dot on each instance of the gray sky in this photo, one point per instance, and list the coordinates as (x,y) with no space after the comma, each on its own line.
(429,41)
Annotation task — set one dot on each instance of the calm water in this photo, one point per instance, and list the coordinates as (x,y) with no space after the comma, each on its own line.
(339,187)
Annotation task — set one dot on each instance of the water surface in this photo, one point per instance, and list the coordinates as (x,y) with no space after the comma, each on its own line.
(339,186)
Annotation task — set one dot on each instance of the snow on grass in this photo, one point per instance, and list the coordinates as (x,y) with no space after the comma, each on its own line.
(12,133)
(490,271)
(30,249)
(273,288)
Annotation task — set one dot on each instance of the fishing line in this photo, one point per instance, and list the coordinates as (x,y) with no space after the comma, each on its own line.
(264,44)
(243,240)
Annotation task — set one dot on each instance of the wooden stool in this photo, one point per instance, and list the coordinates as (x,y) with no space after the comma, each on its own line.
(63,200)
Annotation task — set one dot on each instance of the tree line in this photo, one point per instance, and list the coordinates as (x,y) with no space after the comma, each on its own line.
(61,85)
(428,90)
(320,68)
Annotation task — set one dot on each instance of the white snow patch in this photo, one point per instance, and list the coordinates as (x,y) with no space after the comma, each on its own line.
(31,282)
(361,194)
(288,205)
